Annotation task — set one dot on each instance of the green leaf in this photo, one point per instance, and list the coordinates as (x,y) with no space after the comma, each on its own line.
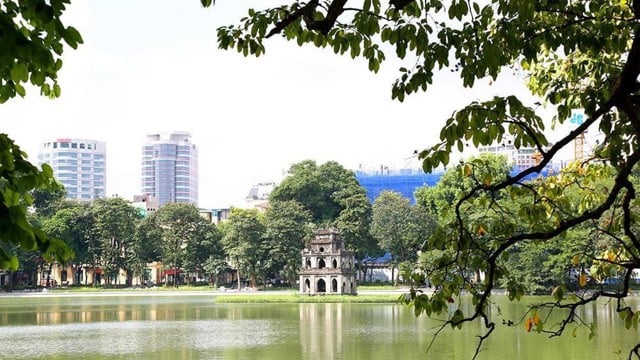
(56,90)
(19,72)
(558,293)
(20,89)
(72,37)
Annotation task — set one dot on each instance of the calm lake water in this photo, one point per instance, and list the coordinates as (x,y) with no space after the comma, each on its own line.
(195,327)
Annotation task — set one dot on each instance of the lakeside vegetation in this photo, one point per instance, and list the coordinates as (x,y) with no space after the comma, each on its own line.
(204,288)
(267,298)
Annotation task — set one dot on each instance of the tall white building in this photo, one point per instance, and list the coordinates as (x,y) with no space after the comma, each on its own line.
(79,164)
(170,168)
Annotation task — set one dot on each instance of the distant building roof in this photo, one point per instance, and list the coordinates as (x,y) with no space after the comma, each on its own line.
(260,191)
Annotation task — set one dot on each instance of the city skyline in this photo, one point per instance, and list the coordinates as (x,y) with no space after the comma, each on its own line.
(251,118)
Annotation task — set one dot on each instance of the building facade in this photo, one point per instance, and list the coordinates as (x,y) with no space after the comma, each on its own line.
(79,164)
(170,168)
(327,267)
(518,158)
(146,204)
(403,181)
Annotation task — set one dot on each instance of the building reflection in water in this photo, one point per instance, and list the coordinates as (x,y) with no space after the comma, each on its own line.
(321,332)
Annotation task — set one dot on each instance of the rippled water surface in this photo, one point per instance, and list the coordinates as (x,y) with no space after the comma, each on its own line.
(195,327)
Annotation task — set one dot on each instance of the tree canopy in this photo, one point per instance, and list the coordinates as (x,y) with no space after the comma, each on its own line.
(334,198)
(401,229)
(575,56)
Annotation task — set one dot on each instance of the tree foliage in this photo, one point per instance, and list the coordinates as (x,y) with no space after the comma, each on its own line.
(576,56)
(18,178)
(287,225)
(400,229)
(115,224)
(74,225)
(334,198)
(243,241)
(183,232)
(33,38)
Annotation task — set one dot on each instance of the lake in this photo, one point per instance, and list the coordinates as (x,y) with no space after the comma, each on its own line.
(175,326)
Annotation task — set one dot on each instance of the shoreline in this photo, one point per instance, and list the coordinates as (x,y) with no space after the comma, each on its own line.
(173,292)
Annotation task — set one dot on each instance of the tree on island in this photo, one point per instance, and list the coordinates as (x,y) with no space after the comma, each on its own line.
(577,56)
(334,198)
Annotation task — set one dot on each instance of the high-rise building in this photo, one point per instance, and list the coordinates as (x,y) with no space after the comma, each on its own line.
(170,168)
(79,164)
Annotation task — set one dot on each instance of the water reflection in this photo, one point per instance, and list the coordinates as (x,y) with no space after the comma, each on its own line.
(321,329)
(195,327)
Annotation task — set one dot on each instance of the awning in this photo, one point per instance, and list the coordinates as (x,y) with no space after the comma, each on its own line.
(172,271)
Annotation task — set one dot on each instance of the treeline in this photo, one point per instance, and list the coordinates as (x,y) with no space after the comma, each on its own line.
(111,235)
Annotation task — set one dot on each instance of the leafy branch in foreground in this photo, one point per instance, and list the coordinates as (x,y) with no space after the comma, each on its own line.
(576,56)
(18,177)
(32,39)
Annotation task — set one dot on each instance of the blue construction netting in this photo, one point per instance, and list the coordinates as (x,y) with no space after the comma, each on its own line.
(407,181)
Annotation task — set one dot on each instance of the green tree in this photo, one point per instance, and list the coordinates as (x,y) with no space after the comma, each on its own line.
(579,55)
(304,185)
(354,222)
(243,242)
(204,253)
(458,181)
(115,225)
(400,229)
(333,196)
(146,247)
(287,225)
(47,201)
(74,225)
(180,225)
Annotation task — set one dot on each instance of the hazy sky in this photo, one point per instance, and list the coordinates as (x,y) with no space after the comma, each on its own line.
(154,66)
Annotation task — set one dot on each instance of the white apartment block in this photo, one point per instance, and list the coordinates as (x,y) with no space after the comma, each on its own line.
(79,164)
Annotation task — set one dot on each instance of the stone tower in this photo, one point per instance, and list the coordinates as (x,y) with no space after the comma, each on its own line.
(327,267)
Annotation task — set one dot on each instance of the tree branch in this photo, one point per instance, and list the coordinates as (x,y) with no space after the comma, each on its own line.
(307,9)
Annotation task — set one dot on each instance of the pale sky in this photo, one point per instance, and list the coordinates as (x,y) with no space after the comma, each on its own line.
(154,66)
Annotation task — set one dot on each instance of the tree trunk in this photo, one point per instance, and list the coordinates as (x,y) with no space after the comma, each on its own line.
(238,274)
(393,275)
(175,277)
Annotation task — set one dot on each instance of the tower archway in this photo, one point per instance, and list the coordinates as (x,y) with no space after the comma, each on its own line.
(321,264)
(322,286)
